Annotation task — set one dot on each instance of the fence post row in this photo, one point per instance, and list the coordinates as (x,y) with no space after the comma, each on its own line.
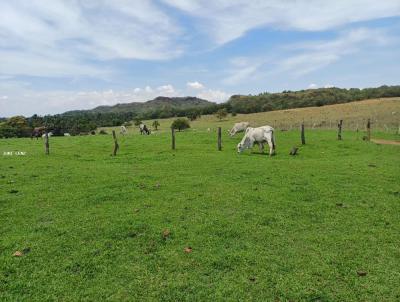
(303,138)
(116,146)
(339,135)
(173,138)
(219,139)
(46,143)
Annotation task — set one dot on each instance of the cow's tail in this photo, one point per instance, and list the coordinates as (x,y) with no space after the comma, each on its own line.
(273,139)
(271,142)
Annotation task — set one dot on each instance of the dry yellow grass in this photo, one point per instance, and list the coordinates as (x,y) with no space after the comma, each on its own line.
(384,114)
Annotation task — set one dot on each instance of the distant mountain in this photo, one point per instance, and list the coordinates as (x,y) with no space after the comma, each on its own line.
(157,104)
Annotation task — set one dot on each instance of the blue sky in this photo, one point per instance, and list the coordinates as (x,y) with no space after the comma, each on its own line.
(58,55)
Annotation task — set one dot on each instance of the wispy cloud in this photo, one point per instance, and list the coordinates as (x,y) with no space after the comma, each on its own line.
(58,38)
(306,57)
(229,20)
(316,55)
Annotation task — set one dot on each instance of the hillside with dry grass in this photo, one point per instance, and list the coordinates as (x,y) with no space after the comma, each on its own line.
(384,114)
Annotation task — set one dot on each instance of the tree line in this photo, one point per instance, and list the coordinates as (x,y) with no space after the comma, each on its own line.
(85,121)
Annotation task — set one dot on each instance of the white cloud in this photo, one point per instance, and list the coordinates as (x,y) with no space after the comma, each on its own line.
(328,86)
(214,95)
(316,55)
(312,86)
(23,99)
(56,38)
(27,101)
(229,20)
(59,38)
(166,89)
(195,85)
(300,59)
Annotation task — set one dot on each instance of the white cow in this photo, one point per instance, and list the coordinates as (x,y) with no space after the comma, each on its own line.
(238,127)
(260,135)
(48,134)
(67,134)
(123,130)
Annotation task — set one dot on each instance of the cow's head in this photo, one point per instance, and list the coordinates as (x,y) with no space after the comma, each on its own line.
(243,145)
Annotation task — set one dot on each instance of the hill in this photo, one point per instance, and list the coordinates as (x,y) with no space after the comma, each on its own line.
(384,114)
(160,103)
(306,98)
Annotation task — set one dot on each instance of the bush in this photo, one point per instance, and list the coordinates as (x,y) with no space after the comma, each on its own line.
(180,124)
(156,124)
(221,113)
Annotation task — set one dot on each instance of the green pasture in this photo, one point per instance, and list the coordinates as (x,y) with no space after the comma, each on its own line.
(320,226)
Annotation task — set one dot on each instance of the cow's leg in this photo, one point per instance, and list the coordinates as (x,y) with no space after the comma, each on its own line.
(261,146)
(271,145)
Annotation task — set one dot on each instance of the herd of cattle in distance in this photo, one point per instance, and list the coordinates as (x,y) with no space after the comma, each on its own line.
(252,136)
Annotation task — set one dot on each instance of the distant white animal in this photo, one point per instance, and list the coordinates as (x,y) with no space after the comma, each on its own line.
(123,130)
(208,129)
(258,136)
(48,134)
(67,134)
(238,127)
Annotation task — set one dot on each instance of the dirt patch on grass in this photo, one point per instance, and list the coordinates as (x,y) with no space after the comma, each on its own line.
(385,142)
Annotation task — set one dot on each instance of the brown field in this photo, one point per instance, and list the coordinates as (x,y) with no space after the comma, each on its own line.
(384,114)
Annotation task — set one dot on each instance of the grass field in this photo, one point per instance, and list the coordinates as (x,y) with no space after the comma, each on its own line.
(90,226)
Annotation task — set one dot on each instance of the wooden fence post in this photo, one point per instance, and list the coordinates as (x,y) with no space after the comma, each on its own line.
(116,146)
(369,130)
(46,143)
(339,135)
(219,139)
(173,138)
(303,138)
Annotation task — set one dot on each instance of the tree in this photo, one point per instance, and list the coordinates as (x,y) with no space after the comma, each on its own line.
(180,124)
(156,124)
(137,121)
(193,115)
(16,126)
(221,113)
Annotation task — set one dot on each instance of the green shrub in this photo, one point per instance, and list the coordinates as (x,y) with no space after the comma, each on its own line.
(180,124)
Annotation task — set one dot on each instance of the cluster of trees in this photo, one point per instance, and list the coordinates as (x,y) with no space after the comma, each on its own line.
(305,98)
(16,126)
(76,122)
